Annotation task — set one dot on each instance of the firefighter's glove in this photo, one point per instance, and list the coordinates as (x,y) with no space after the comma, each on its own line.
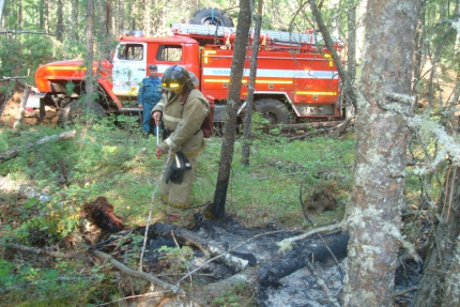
(165,132)
(177,168)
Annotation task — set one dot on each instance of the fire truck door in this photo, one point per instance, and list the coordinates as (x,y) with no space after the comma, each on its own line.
(129,68)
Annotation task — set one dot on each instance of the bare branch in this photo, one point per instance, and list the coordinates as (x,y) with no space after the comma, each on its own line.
(40,251)
(25,32)
(131,272)
(286,243)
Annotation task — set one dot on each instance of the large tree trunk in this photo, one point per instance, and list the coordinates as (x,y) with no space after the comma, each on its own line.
(374,217)
(440,283)
(234,102)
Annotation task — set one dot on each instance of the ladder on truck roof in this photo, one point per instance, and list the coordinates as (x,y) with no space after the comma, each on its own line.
(223,32)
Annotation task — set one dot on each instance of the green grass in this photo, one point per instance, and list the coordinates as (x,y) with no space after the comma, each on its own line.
(120,165)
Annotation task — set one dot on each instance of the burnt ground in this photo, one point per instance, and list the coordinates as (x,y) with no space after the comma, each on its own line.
(305,275)
(292,278)
(271,278)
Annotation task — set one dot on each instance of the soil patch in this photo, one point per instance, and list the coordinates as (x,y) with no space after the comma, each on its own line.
(9,111)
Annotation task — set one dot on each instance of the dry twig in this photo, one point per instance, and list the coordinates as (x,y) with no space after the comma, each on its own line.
(131,272)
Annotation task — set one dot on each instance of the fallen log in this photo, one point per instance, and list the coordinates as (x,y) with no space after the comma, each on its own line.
(332,245)
(41,251)
(286,244)
(302,126)
(14,152)
(328,127)
(302,254)
(236,260)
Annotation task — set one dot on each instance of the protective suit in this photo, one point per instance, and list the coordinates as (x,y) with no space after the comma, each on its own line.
(182,116)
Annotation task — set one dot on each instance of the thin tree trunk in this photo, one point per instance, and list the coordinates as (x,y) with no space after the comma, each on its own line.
(41,15)
(334,6)
(59,24)
(419,48)
(348,90)
(47,13)
(22,107)
(147,19)
(360,30)
(188,16)
(440,282)
(451,295)
(74,19)
(374,216)
(89,56)
(234,101)
(351,51)
(108,19)
(121,16)
(2,2)
(246,148)
(19,20)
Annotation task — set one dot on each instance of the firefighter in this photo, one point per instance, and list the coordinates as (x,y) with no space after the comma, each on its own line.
(182,110)
(150,93)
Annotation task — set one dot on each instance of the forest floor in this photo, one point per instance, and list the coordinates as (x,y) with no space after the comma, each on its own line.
(249,268)
(218,263)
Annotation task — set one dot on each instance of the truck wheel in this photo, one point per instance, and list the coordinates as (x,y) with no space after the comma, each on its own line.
(273,110)
(212,17)
(70,113)
(61,100)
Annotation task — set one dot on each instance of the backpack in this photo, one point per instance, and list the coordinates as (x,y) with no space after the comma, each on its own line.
(207,126)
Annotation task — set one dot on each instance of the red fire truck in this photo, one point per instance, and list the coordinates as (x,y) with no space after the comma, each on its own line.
(296,77)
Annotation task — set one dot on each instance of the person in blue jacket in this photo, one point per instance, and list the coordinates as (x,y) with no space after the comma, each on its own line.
(150,92)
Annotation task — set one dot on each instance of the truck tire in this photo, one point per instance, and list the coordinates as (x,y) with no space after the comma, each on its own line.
(61,100)
(273,110)
(70,113)
(212,17)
